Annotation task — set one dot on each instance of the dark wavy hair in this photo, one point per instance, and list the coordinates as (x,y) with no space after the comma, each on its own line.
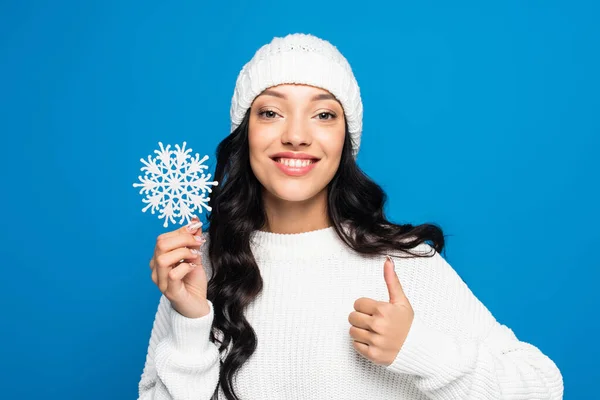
(353,200)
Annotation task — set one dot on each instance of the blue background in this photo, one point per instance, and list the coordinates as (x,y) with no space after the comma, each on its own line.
(480,117)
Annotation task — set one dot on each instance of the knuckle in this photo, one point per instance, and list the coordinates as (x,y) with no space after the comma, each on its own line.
(162,287)
(373,352)
(377,342)
(160,238)
(172,275)
(382,308)
(160,261)
(161,244)
(376,325)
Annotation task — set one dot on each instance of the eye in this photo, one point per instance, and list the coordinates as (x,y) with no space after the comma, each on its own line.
(325,115)
(268,114)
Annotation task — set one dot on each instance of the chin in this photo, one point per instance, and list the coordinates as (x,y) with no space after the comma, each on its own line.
(296,192)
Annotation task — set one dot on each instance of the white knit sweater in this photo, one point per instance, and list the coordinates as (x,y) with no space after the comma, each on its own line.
(455,348)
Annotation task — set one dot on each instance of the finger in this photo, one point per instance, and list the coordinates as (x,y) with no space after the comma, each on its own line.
(166,262)
(155,276)
(361,348)
(176,275)
(360,320)
(361,335)
(198,237)
(167,244)
(392,281)
(365,306)
(176,256)
(192,227)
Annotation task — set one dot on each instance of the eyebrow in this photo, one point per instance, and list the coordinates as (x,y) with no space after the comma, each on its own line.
(321,96)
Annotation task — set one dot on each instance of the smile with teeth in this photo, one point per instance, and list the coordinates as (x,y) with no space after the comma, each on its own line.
(294,162)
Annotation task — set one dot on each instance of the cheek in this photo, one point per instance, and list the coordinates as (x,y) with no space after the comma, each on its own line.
(332,144)
(259,142)
(258,139)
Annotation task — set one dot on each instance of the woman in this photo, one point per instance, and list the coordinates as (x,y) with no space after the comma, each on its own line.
(292,293)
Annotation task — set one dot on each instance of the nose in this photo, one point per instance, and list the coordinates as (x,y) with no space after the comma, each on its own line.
(296,133)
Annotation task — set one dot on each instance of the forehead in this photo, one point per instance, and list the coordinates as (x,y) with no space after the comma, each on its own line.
(297,91)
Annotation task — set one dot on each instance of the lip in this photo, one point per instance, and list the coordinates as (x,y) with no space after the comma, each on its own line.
(299,156)
(295,171)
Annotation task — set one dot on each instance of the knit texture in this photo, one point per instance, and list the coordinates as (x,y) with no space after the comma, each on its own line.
(455,348)
(300,59)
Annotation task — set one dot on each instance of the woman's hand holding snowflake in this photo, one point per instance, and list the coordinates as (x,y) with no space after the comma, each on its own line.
(177,269)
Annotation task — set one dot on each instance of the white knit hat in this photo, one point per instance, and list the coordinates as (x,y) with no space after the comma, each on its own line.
(300,59)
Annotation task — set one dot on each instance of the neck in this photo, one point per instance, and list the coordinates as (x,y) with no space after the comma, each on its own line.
(285,216)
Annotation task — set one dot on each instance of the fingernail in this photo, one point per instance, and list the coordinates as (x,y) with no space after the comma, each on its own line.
(195,251)
(192,265)
(391,259)
(199,239)
(193,226)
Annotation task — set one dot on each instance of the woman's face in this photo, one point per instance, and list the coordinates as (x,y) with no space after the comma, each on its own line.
(296,135)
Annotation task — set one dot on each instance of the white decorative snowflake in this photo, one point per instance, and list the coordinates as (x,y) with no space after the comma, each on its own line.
(174,185)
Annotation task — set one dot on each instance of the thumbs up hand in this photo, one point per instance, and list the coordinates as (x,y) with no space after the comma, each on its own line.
(380,328)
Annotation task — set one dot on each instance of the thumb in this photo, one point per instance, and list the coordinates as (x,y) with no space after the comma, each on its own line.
(393,282)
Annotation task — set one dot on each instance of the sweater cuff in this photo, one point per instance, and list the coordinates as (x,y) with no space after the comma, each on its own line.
(427,352)
(192,335)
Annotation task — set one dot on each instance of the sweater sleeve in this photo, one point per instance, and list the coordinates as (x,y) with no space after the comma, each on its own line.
(492,364)
(181,363)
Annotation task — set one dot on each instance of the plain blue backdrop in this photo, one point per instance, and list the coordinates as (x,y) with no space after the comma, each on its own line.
(480,117)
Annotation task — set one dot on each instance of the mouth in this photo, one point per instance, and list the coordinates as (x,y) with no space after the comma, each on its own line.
(295,166)
(295,162)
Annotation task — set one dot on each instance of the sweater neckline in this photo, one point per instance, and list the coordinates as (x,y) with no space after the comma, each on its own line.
(319,242)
